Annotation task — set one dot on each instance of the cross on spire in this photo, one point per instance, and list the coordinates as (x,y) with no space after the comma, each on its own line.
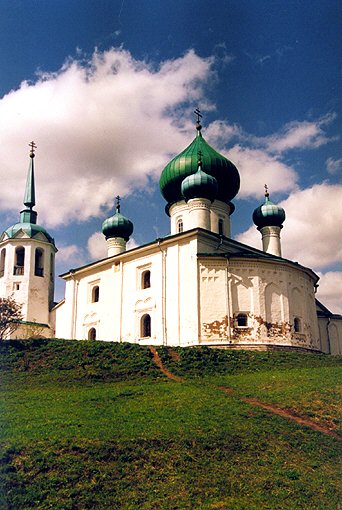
(33,147)
(198,115)
(117,198)
(266,191)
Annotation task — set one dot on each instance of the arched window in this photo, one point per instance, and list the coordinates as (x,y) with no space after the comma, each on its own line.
(146,279)
(145,326)
(241,320)
(296,325)
(95,294)
(92,334)
(180,226)
(220,227)
(2,262)
(19,261)
(39,262)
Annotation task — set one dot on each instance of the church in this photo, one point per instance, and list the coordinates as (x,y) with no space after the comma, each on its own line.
(195,286)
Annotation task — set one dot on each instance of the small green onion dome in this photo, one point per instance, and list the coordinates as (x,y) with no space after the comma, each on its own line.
(268,214)
(117,226)
(199,185)
(185,164)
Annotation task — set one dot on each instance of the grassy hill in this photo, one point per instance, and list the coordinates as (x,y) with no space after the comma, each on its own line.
(92,425)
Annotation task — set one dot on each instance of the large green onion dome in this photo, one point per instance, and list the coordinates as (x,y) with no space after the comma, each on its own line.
(199,185)
(268,214)
(186,163)
(117,225)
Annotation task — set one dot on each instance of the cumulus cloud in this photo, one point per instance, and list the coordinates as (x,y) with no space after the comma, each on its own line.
(257,167)
(310,230)
(102,127)
(299,135)
(97,246)
(330,290)
(70,255)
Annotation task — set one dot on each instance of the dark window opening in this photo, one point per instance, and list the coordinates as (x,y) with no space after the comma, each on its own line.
(179,226)
(241,320)
(146,280)
(145,325)
(2,262)
(296,325)
(220,226)
(95,296)
(39,262)
(19,261)
(92,334)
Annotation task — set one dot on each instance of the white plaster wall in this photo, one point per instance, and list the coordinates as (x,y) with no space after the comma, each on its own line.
(35,292)
(263,290)
(331,335)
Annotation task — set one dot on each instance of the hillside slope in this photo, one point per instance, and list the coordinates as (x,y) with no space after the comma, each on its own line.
(98,425)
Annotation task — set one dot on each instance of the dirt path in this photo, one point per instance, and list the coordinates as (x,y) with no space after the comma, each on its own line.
(159,363)
(252,401)
(285,414)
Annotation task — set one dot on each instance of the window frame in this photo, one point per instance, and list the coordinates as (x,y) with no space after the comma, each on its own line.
(241,315)
(145,328)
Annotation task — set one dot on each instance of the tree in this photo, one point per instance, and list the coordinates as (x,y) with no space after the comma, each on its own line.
(10,316)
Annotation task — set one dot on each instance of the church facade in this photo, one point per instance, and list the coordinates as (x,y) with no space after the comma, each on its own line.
(196,286)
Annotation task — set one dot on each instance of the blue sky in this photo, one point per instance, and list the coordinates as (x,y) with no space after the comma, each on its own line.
(106,89)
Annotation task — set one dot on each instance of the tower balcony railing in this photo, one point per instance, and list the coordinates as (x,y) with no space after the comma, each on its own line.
(18,270)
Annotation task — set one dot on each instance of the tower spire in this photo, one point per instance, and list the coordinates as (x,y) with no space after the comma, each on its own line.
(28,215)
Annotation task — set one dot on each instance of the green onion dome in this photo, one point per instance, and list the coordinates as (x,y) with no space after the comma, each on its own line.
(32,230)
(199,185)
(185,164)
(268,214)
(117,226)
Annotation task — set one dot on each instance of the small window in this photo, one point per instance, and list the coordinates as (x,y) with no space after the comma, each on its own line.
(19,261)
(179,226)
(146,279)
(2,262)
(39,262)
(145,326)
(95,294)
(16,286)
(220,227)
(92,334)
(296,325)
(241,320)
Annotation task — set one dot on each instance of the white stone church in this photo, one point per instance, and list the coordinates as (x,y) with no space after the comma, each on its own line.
(196,286)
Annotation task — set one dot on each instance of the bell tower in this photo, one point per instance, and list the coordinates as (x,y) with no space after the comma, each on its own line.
(27,262)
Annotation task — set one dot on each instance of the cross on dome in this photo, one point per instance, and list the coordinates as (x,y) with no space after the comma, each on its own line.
(33,147)
(199,116)
(117,198)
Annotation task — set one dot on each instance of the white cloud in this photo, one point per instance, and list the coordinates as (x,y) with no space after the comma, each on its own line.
(333,165)
(330,290)
(311,233)
(97,246)
(101,128)
(299,135)
(257,167)
(70,255)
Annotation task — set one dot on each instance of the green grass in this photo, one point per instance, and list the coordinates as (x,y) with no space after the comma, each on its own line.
(95,425)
